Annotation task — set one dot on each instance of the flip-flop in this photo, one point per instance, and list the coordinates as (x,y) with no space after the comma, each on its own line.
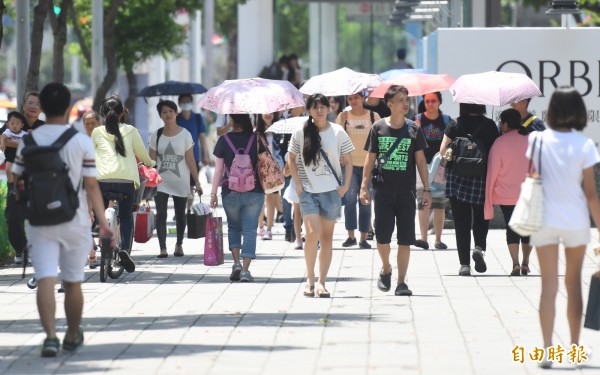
(516,271)
(311,292)
(323,293)
(525,269)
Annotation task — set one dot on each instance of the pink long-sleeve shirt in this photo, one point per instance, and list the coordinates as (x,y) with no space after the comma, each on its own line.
(507,168)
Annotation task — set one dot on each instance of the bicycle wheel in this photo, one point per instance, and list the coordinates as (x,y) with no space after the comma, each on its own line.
(115,270)
(104,265)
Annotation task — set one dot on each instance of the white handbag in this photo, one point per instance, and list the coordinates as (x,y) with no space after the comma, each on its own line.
(528,215)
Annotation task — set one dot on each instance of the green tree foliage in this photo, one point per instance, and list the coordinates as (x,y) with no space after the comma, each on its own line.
(293,28)
(591,8)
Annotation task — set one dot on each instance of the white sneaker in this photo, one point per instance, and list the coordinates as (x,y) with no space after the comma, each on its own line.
(299,245)
(246,276)
(19,259)
(33,282)
(260,232)
(267,235)
(236,270)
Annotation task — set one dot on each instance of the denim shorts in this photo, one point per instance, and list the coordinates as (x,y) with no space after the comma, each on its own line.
(327,205)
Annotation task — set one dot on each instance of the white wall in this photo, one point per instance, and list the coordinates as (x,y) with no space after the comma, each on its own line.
(255,37)
(553,57)
(322,29)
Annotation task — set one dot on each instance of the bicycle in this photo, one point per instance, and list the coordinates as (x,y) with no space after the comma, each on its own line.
(110,259)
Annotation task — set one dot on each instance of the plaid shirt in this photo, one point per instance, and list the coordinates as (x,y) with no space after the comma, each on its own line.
(466,189)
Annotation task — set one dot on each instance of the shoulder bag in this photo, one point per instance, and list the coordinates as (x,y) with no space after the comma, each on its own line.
(528,215)
(270,174)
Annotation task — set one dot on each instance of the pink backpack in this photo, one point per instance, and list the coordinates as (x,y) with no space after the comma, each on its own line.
(240,177)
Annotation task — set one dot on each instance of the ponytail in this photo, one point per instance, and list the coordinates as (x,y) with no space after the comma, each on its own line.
(112,110)
(312,142)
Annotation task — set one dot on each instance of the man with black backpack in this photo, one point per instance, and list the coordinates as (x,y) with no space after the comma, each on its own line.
(58,227)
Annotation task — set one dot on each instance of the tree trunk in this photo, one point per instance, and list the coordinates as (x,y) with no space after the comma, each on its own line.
(59,30)
(37,36)
(130,102)
(77,30)
(109,53)
(233,55)
(2,8)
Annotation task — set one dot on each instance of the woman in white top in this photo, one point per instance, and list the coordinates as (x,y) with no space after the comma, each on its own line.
(567,159)
(317,184)
(172,148)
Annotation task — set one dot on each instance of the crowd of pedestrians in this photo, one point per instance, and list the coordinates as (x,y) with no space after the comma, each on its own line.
(361,160)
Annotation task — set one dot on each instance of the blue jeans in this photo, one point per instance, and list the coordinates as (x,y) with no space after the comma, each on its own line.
(288,220)
(242,210)
(352,195)
(125,208)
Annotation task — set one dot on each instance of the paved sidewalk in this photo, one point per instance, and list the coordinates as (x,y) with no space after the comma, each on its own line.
(177,316)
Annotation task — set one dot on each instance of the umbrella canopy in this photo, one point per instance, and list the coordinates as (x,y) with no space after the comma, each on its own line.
(391,74)
(493,88)
(287,125)
(252,95)
(343,81)
(172,88)
(416,83)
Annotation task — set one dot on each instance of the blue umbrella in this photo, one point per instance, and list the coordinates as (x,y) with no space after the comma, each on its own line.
(172,88)
(390,74)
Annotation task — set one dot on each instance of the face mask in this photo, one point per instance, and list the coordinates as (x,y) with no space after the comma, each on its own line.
(187,106)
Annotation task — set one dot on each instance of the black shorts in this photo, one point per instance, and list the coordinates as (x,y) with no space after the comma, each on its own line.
(395,209)
(9,154)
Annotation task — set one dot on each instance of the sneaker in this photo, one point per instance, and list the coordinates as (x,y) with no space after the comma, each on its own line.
(50,347)
(441,246)
(422,244)
(126,261)
(61,289)
(478,255)
(385,281)
(267,235)
(246,276)
(19,259)
(33,282)
(73,345)
(299,245)
(349,242)
(236,269)
(370,235)
(288,235)
(260,232)
(364,245)
(464,271)
(402,290)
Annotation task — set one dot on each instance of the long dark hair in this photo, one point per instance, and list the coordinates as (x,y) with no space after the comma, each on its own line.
(312,139)
(112,110)
(242,120)
(261,125)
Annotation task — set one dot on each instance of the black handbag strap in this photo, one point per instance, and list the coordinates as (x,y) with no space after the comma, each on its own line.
(385,157)
(539,169)
(339,180)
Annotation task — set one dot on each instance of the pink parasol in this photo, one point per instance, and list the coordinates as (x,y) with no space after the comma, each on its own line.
(252,95)
(417,84)
(493,88)
(343,81)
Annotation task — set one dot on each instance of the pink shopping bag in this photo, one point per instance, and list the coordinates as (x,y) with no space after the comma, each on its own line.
(213,241)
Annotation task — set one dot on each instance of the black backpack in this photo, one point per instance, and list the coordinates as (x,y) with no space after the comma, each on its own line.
(49,196)
(468,157)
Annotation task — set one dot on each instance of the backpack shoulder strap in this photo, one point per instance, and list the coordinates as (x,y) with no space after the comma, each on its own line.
(65,137)
(249,145)
(446,119)
(29,141)
(231,145)
(199,122)
(529,121)
(372,116)
(158,134)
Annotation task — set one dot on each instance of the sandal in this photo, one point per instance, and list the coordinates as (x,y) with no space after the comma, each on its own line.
(323,293)
(525,269)
(516,270)
(309,290)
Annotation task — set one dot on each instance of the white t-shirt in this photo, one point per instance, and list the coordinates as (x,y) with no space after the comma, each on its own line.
(78,154)
(564,156)
(171,163)
(318,178)
(15,137)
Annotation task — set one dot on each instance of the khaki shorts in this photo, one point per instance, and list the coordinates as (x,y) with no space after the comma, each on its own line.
(436,202)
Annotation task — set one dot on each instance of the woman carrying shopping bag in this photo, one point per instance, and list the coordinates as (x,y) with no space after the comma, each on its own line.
(243,197)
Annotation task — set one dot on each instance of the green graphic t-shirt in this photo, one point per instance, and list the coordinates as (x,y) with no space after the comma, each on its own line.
(399,170)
